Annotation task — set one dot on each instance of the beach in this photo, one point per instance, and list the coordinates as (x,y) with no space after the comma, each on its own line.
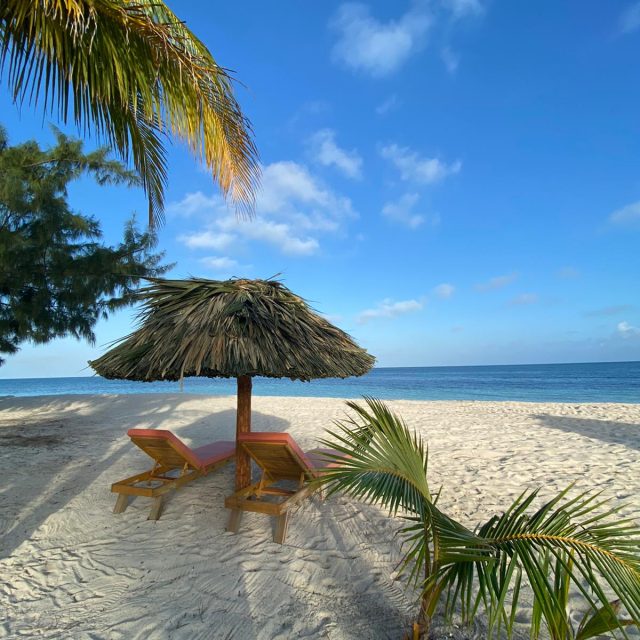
(70,568)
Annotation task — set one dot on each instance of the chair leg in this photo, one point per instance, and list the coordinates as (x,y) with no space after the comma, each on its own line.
(121,503)
(156,507)
(282,523)
(234,520)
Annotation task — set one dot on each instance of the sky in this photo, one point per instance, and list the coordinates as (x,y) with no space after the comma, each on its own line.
(452,182)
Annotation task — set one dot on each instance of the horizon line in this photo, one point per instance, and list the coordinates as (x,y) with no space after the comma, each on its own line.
(442,366)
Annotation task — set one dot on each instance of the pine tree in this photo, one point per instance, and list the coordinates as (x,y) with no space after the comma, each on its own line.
(57,277)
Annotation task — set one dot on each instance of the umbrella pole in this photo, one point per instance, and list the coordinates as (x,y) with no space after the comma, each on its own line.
(243,425)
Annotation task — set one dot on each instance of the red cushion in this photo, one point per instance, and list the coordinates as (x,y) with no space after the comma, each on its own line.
(319,458)
(279,438)
(311,461)
(215,452)
(198,458)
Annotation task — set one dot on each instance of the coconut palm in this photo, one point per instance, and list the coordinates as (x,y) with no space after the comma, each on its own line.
(569,541)
(136,74)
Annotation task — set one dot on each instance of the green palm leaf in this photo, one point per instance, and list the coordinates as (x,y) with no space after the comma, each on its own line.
(575,540)
(565,542)
(603,620)
(383,462)
(136,74)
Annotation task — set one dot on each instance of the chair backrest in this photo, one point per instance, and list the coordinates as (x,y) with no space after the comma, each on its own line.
(277,454)
(164,447)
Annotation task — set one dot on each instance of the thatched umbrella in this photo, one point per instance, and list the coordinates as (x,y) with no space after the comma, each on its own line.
(232,328)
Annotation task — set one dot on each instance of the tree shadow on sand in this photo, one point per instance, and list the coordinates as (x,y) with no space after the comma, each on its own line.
(622,433)
(366,540)
(61,448)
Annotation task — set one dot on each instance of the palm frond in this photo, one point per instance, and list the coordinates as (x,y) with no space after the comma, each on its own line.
(384,463)
(136,74)
(565,542)
(601,621)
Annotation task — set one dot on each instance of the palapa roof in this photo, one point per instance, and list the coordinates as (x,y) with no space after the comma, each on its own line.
(230,328)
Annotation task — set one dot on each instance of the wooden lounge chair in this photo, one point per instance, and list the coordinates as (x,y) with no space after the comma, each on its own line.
(280,459)
(175,465)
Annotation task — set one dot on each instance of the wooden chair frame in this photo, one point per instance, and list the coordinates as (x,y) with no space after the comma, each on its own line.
(141,485)
(159,480)
(251,497)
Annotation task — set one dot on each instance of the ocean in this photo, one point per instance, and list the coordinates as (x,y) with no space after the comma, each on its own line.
(586,382)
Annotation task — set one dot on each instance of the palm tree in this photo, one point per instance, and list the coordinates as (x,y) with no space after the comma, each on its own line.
(136,74)
(569,541)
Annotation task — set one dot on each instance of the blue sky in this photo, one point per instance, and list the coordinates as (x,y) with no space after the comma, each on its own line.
(450,181)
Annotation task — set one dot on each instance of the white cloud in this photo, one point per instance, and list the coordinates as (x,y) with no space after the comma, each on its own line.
(328,153)
(221,263)
(450,59)
(277,234)
(630,18)
(391,103)
(401,211)
(290,191)
(195,203)
(627,216)
(444,290)
(376,47)
(498,282)
(293,210)
(389,309)
(287,182)
(524,299)
(464,8)
(418,169)
(334,318)
(625,330)
(207,240)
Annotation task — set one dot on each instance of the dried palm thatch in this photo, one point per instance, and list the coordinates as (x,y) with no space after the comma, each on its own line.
(230,328)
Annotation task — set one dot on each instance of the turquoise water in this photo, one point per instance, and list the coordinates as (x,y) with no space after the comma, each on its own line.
(589,382)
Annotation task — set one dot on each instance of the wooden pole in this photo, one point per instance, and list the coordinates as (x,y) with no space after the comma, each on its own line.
(243,425)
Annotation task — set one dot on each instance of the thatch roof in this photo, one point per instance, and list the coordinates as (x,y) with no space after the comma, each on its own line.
(230,328)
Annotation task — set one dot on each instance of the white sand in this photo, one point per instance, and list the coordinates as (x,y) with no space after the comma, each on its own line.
(69,568)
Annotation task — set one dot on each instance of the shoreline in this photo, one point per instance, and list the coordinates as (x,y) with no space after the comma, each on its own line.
(67,558)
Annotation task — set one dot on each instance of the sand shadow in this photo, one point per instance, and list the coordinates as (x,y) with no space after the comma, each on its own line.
(384,604)
(221,425)
(57,426)
(622,433)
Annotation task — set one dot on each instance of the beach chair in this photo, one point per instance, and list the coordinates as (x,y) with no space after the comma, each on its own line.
(281,461)
(175,465)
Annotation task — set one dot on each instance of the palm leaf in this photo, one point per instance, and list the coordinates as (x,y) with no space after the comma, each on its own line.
(600,621)
(136,74)
(566,541)
(384,463)
(558,544)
